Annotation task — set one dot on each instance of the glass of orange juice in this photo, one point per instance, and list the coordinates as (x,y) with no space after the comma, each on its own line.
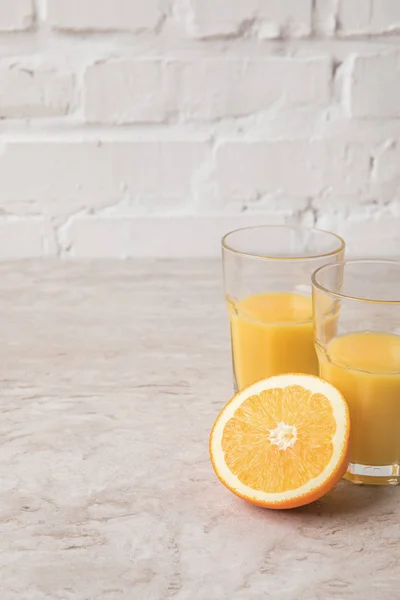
(267,278)
(360,355)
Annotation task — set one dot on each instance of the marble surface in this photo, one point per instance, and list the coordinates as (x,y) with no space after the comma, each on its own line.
(112,374)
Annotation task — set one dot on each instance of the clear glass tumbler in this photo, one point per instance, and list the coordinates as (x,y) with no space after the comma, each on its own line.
(267,278)
(357,329)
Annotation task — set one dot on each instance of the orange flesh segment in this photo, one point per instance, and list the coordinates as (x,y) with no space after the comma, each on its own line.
(261,464)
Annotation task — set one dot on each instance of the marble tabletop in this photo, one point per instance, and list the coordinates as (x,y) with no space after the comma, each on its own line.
(112,375)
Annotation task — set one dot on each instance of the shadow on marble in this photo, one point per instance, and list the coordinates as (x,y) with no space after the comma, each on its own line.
(346,499)
(350,499)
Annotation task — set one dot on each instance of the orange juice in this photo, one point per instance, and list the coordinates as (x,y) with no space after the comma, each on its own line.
(365,367)
(272,333)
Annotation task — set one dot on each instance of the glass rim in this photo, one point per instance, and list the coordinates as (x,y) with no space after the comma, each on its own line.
(228,248)
(354,261)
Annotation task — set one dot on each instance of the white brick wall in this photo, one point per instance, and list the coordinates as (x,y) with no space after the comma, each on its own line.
(374,86)
(270,18)
(137,91)
(16,15)
(360,17)
(34,92)
(103,15)
(132,128)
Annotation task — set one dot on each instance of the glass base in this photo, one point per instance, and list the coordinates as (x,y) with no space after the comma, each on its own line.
(373,475)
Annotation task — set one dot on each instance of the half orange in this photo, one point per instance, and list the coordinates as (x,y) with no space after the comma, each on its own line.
(283,441)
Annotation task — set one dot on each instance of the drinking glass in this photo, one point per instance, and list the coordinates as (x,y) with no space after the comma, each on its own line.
(267,279)
(357,331)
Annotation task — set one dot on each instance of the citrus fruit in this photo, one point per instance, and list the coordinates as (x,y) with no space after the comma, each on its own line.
(283,441)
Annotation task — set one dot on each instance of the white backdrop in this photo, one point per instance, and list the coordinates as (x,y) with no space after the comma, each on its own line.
(148,128)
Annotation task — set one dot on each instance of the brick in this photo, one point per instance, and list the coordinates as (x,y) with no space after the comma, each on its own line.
(292,19)
(219,18)
(354,16)
(92,175)
(386,167)
(385,16)
(213,18)
(129,91)
(367,235)
(385,175)
(325,17)
(34,93)
(180,236)
(230,88)
(374,86)
(16,15)
(104,15)
(362,17)
(247,171)
(26,238)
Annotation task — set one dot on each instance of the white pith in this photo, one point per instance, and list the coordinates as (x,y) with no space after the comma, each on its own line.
(283,436)
(315,385)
